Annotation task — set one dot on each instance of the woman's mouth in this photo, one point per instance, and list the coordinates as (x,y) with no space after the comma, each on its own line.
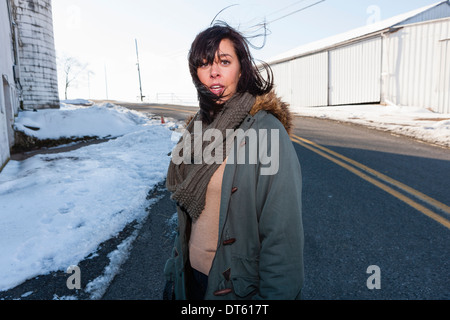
(217,89)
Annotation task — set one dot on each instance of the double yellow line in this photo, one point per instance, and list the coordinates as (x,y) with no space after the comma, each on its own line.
(380,180)
(374,177)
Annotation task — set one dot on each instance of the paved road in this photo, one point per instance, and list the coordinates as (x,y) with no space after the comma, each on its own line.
(357,214)
(370,200)
(376,211)
(168,111)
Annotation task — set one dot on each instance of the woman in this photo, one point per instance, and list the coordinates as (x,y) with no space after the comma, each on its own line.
(240,232)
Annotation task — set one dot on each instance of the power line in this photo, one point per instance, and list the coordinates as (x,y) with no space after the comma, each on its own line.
(282,9)
(257,26)
(263,25)
(293,12)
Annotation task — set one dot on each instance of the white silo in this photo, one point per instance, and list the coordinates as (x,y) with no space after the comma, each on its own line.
(36,54)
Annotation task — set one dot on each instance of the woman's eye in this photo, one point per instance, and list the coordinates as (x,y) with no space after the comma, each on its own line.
(225,62)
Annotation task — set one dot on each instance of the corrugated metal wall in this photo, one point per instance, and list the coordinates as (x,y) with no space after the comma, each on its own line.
(346,75)
(409,67)
(303,82)
(443,91)
(416,66)
(355,73)
(310,80)
(282,76)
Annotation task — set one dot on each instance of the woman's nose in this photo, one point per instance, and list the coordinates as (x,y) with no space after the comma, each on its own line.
(215,72)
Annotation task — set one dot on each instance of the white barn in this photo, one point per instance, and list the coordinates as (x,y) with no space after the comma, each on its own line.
(404,60)
(9,96)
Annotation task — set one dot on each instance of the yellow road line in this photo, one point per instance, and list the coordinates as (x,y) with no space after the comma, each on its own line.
(314,147)
(383,177)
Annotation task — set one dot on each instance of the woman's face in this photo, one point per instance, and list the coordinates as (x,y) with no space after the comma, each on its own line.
(222,76)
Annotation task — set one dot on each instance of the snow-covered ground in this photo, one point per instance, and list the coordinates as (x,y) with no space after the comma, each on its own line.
(55,209)
(418,123)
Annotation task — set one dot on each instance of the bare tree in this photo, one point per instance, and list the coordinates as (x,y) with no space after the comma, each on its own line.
(72,69)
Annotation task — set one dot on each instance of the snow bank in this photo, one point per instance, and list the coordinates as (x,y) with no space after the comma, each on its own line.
(56,209)
(414,122)
(101,121)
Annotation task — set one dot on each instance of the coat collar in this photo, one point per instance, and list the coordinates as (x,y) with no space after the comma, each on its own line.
(271,103)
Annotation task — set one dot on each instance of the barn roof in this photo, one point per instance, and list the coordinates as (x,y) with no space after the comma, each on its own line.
(422,14)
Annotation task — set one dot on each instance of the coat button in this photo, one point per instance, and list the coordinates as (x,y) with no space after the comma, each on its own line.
(234,190)
(229,241)
(222,292)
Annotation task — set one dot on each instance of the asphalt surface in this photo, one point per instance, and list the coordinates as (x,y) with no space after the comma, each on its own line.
(141,276)
(350,222)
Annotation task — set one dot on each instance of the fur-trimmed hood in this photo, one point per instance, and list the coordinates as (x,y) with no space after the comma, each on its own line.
(271,103)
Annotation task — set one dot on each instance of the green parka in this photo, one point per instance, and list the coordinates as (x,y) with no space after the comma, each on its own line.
(260,247)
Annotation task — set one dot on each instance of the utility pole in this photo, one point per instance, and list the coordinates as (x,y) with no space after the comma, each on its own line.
(139,70)
(106,84)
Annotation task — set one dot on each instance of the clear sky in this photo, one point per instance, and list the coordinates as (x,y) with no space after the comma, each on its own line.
(101,34)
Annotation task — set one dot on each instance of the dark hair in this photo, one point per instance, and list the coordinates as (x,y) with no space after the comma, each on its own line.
(205,47)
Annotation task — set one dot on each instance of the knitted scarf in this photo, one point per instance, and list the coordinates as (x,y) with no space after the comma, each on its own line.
(188,181)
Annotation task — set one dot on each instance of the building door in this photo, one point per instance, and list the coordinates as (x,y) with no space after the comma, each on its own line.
(443,86)
(355,73)
(8,111)
(310,81)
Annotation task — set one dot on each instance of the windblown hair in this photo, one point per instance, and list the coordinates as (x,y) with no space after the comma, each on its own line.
(205,49)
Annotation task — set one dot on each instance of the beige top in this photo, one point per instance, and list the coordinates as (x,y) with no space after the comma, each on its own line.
(205,231)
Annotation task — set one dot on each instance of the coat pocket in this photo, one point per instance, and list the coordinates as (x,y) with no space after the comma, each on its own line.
(245,277)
